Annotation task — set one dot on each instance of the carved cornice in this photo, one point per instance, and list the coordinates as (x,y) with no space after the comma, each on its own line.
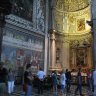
(81,44)
(70,38)
(79,12)
(22,23)
(79,37)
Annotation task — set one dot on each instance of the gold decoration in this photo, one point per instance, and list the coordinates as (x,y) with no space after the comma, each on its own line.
(71,5)
(71,19)
(81,24)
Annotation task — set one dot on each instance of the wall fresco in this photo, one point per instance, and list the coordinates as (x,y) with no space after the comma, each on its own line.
(20,49)
(16,57)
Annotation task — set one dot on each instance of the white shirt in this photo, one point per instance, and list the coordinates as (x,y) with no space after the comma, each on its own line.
(41,74)
(63,79)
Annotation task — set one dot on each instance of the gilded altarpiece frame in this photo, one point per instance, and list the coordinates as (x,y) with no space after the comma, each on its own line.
(81,57)
(78,58)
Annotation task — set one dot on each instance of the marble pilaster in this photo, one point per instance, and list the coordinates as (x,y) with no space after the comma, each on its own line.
(52,51)
(46,41)
(65,55)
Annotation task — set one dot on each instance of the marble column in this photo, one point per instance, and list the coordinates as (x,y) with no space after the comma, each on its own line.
(52,51)
(65,55)
(46,40)
(89,58)
(73,58)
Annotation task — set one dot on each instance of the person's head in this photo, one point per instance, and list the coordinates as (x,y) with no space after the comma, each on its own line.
(66,70)
(40,69)
(28,66)
(54,72)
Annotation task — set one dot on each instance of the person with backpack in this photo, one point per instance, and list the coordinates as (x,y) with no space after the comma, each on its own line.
(41,76)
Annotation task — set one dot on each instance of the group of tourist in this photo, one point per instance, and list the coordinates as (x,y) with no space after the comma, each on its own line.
(65,82)
(63,79)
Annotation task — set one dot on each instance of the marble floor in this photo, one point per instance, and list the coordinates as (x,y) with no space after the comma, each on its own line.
(18,92)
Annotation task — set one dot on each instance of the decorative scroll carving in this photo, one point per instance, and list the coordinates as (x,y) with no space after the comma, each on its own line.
(22,23)
(40,14)
(82,43)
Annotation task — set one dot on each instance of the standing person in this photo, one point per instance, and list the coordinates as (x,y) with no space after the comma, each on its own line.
(54,82)
(3,77)
(79,83)
(62,81)
(41,76)
(11,79)
(89,81)
(68,80)
(94,81)
(3,73)
(1,81)
(28,80)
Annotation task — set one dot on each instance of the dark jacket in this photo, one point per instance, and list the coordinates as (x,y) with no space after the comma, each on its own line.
(79,78)
(3,75)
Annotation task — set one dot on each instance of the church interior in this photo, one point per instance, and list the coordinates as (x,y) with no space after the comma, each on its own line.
(51,34)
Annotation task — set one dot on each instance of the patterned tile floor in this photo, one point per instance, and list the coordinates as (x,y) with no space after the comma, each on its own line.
(19,92)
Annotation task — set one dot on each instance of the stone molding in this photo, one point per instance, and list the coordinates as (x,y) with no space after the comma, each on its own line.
(22,23)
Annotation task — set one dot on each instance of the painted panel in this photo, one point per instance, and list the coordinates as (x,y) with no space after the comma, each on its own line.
(81,24)
(23,8)
(20,49)
(16,57)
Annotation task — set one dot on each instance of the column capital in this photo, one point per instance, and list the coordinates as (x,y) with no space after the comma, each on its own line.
(52,33)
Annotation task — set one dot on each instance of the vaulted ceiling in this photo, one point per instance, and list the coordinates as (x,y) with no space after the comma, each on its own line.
(71,5)
(70,16)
